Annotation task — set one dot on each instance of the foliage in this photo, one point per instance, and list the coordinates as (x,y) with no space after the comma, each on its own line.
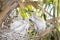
(28,7)
(23,13)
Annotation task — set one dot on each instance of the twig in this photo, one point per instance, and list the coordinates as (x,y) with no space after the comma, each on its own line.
(48,30)
(40,7)
(51,20)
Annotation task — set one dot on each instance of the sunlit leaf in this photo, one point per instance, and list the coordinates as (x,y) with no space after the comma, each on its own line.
(28,7)
(59,28)
(30,31)
(23,13)
(49,1)
(54,1)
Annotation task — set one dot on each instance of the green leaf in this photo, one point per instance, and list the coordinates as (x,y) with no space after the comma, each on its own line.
(48,1)
(23,13)
(59,28)
(54,1)
(28,7)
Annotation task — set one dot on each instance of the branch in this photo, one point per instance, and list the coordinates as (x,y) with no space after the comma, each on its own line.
(6,10)
(51,20)
(42,34)
(40,7)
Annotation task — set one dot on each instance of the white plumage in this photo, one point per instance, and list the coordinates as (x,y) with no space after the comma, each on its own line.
(40,24)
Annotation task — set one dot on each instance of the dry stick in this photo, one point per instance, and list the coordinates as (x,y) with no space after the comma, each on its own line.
(48,30)
(6,10)
(40,7)
(51,20)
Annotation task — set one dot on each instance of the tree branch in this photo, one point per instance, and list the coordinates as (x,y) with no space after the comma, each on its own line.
(6,10)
